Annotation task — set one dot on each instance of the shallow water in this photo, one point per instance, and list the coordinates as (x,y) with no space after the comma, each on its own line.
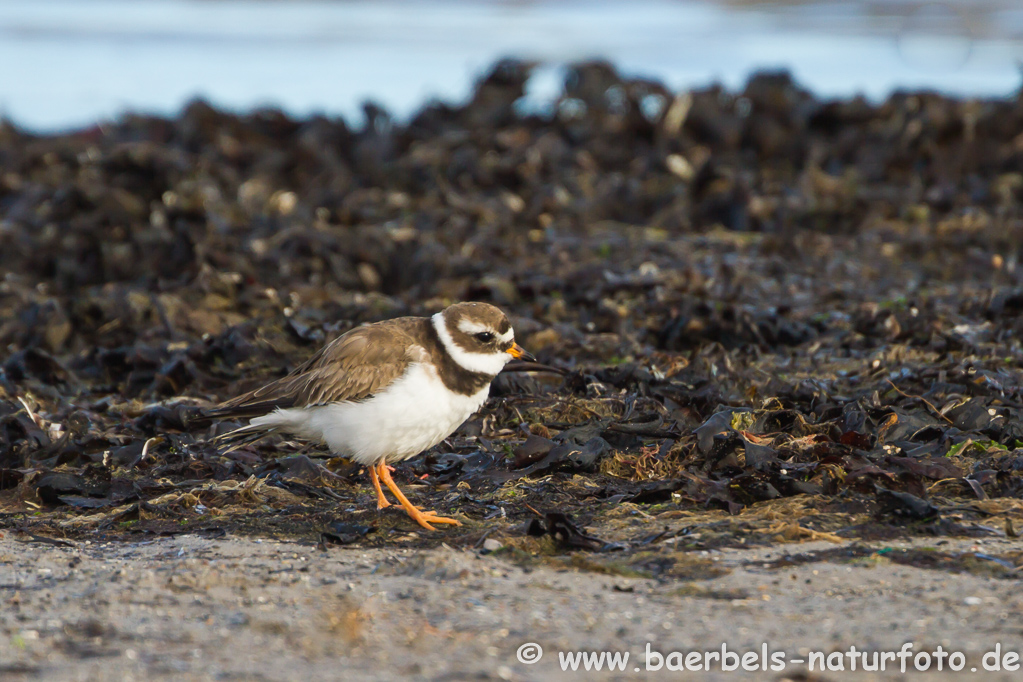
(72,63)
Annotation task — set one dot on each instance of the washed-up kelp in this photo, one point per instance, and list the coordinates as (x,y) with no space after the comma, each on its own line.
(763,314)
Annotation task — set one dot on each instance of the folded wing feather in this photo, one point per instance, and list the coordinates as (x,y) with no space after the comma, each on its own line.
(353,367)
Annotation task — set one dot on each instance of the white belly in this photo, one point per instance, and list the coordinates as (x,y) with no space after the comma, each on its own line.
(413,414)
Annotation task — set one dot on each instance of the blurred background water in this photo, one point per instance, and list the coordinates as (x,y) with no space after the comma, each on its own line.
(71,63)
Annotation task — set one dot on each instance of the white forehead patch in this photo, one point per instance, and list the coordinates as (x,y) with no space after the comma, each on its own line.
(490,364)
(470,327)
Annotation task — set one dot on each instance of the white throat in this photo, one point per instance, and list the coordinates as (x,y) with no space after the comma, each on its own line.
(490,364)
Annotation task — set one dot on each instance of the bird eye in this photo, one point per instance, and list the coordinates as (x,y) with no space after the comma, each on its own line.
(484,337)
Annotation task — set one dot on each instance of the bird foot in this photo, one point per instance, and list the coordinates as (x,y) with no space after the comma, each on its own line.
(425,518)
(382,502)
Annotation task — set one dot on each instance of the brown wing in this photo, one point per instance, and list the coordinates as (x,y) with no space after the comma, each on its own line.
(354,366)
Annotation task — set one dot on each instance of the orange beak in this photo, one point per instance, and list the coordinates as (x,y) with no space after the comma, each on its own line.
(520,353)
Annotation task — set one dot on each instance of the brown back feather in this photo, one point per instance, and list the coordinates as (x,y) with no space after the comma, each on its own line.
(354,366)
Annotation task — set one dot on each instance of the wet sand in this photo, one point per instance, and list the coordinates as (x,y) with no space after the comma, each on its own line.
(194,608)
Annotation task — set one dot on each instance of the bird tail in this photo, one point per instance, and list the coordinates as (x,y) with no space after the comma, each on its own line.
(241,437)
(245,407)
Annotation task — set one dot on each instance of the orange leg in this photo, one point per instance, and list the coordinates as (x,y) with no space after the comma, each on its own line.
(381,500)
(424,519)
